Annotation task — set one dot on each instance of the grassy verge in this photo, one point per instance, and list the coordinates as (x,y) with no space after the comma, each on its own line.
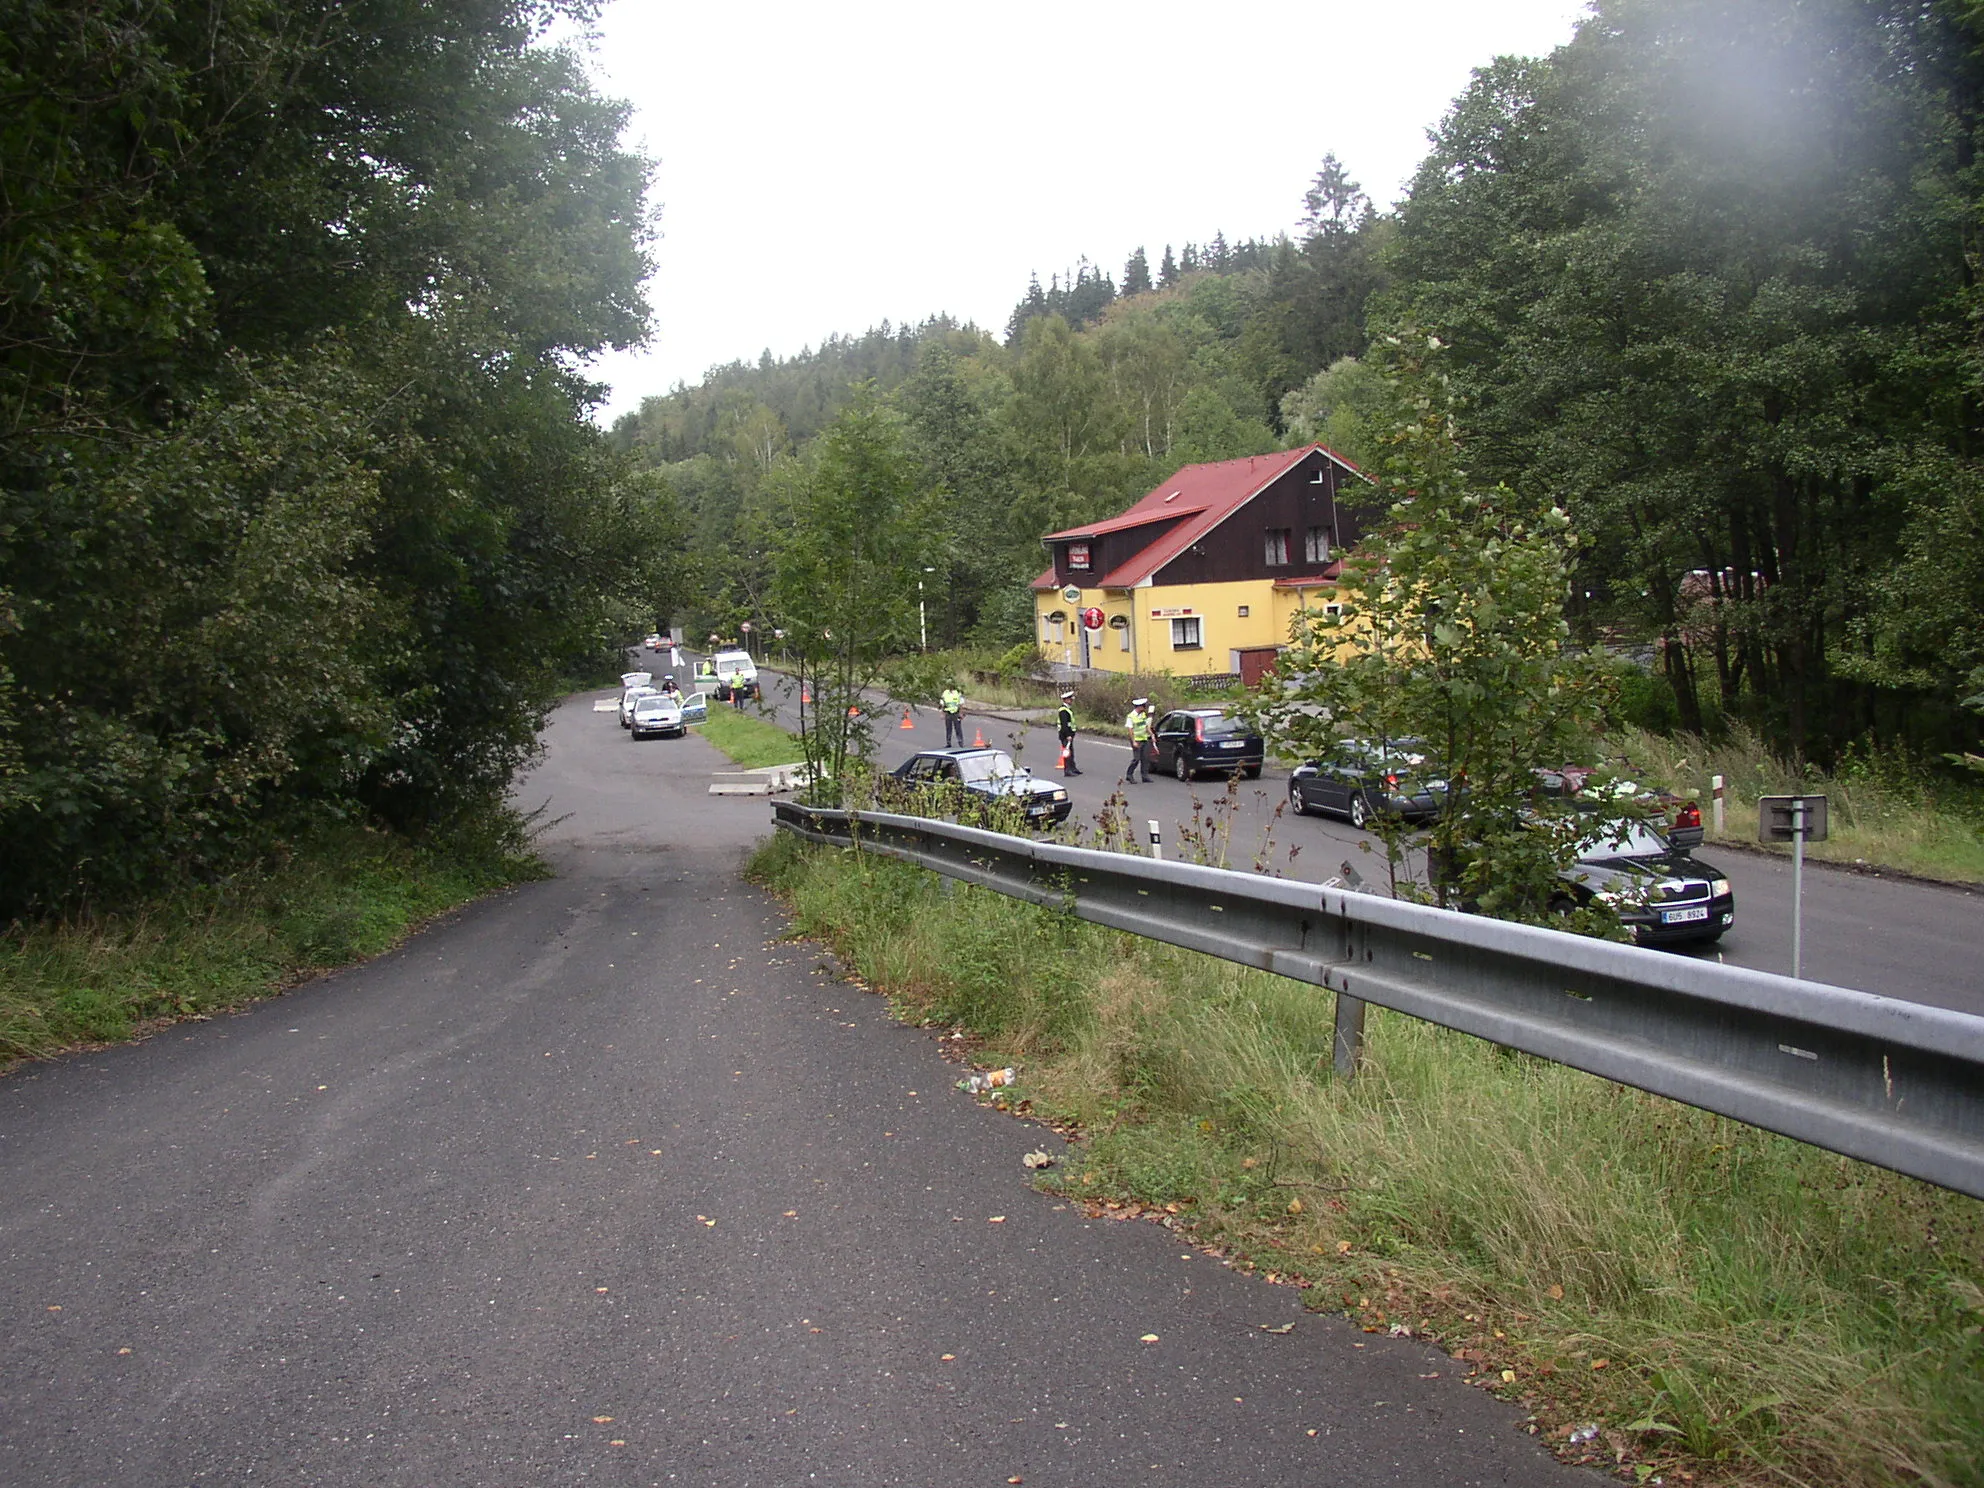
(1716,1302)
(1885,810)
(196,950)
(752,742)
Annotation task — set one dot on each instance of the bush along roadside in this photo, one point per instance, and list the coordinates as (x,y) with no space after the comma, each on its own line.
(339,896)
(1667,1294)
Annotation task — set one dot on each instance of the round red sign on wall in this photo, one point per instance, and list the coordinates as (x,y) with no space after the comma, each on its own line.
(1092,618)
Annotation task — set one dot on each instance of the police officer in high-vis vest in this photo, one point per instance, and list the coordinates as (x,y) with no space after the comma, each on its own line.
(952,702)
(1064,725)
(1138,723)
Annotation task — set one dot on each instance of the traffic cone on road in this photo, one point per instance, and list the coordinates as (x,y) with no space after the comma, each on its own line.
(978,738)
(907,721)
(853,710)
(1064,757)
(806,695)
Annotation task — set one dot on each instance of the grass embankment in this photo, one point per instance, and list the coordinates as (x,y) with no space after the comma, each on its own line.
(1717,1301)
(1885,810)
(196,950)
(751,742)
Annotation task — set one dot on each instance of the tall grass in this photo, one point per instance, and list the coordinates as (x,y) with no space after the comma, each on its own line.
(194,949)
(1885,808)
(1717,1299)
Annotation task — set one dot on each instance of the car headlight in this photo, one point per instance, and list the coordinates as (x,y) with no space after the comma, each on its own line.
(1718,888)
(1059,795)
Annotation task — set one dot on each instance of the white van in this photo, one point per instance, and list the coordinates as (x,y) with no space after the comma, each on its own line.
(735,673)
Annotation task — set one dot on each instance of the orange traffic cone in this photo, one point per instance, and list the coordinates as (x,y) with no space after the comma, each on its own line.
(978,738)
(1064,757)
(806,695)
(907,721)
(853,710)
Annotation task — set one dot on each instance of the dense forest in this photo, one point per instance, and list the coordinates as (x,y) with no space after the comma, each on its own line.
(1705,278)
(301,515)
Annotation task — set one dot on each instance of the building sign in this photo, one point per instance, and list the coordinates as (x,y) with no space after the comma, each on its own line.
(1072,594)
(1091,618)
(1172,614)
(1078,555)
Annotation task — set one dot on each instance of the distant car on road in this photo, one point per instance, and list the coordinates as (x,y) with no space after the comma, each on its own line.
(736,673)
(1660,891)
(1361,779)
(1195,741)
(657,713)
(654,643)
(988,774)
(631,694)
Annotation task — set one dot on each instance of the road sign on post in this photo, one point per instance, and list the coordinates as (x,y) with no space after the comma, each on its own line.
(1796,820)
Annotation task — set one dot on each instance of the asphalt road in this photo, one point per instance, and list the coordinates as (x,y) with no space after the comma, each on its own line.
(598,1181)
(1896,937)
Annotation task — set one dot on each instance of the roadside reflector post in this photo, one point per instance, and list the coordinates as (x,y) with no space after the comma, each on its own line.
(1349,1050)
(1156,840)
(1716,785)
(1797,820)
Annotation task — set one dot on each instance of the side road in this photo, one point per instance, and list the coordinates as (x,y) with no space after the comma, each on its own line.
(600,1181)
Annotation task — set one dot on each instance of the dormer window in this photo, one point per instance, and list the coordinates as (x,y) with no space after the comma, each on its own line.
(1078,555)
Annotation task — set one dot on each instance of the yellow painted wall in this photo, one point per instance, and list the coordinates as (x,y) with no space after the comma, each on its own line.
(1222,628)
(1105,649)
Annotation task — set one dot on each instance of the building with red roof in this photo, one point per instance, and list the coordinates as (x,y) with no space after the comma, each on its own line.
(1203,574)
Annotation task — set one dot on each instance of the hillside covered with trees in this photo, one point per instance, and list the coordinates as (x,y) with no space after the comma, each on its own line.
(1705,278)
(301,518)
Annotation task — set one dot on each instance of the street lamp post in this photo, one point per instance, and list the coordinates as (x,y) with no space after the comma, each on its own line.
(922,617)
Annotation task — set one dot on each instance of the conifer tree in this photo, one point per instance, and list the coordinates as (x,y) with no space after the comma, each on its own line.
(1136,274)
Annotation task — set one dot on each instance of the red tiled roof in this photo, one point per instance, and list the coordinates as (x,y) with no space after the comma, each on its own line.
(1203,495)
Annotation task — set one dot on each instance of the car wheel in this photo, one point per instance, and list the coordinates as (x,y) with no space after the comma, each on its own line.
(1179,767)
(1295,801)
(1360,814)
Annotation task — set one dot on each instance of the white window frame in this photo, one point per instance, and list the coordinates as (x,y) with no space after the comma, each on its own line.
(1187,634)
(1276,547)
(1316,545)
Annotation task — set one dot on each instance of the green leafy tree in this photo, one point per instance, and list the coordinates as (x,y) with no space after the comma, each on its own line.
(1452,631)
(858,522)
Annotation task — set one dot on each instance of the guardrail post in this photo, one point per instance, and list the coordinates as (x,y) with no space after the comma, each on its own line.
(1349,1034)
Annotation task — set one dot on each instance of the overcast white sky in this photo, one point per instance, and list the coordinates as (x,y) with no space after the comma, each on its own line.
(828,166)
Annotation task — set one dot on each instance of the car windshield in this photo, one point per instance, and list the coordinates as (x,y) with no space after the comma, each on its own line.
(995,765)
(734,661)
(653,704)
(1622,839)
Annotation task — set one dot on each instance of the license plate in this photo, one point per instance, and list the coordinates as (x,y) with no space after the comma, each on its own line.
(1236,744)
(1683,916)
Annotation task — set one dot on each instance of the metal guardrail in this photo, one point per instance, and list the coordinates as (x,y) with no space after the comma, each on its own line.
(1898,1084)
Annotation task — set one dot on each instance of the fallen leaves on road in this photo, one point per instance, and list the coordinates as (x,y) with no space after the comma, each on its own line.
(1271,1328)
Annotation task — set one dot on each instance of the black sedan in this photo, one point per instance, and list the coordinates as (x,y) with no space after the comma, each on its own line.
(972,778)
(1362,778)
(1661,892)
(1192,741)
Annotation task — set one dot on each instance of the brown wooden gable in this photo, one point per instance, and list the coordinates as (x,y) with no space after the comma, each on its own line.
(1316,492)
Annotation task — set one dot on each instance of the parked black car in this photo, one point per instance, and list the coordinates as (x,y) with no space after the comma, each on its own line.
(1362,778)
(1660,891)
(988,774)
(1192,741)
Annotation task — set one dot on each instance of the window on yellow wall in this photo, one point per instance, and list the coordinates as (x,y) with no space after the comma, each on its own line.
(1185,634)
(1123,639)
(1243,612)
